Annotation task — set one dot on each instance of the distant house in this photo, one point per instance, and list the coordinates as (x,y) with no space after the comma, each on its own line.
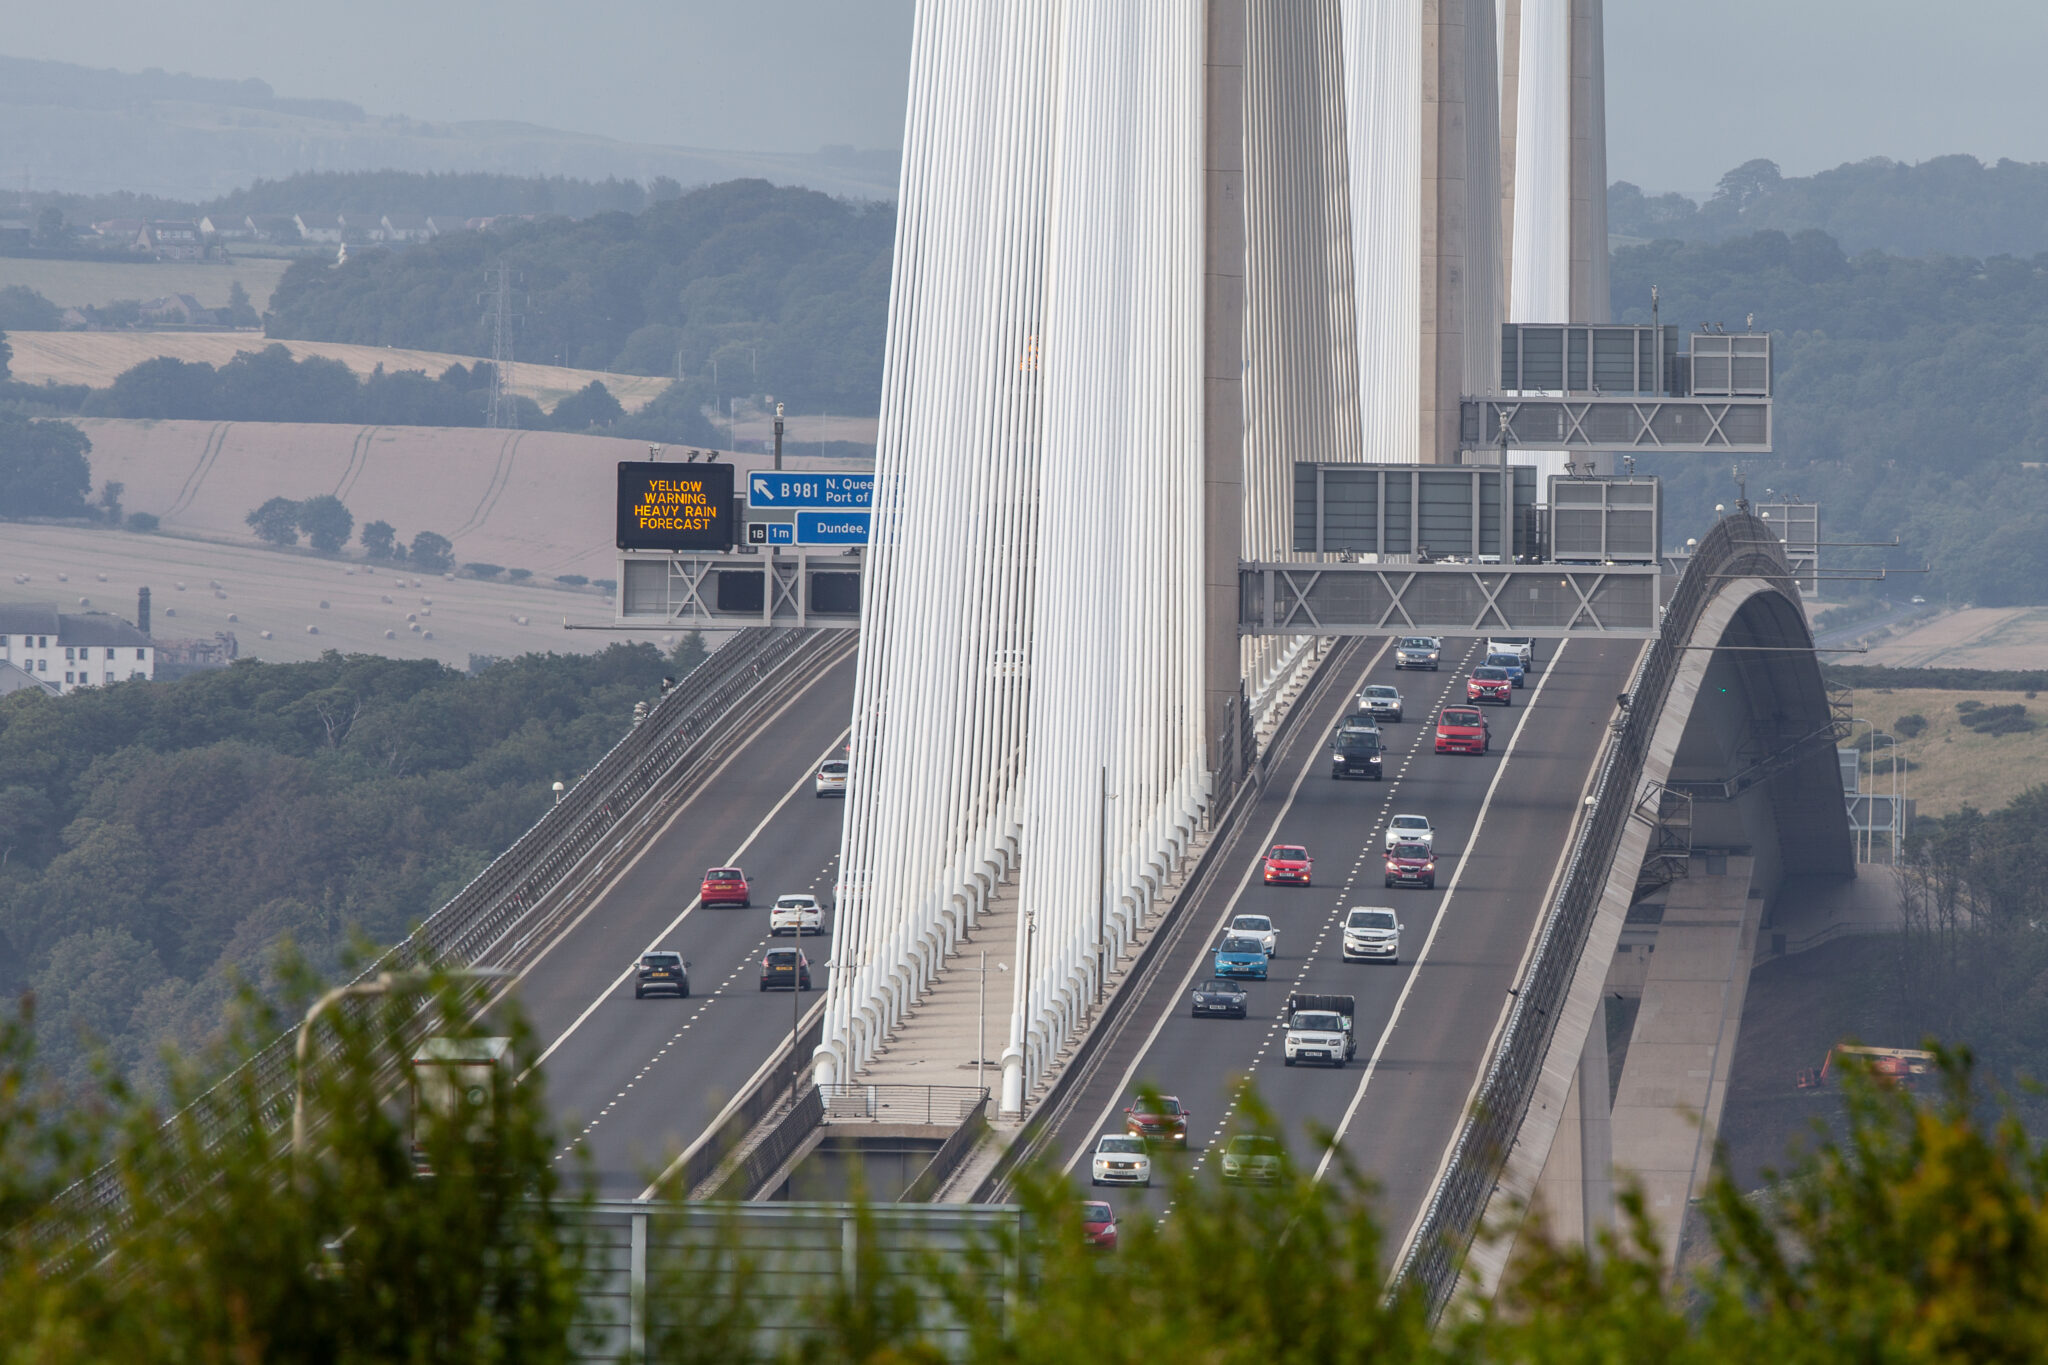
(177,310)
(174,239)
(442,224)
(320,227)
(272,227)
(403,227)
(227,228)
(65,652)
(131,234)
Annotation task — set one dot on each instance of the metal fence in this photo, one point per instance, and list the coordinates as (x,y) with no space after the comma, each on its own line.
(932,1106)
(1738,545)
(480,922)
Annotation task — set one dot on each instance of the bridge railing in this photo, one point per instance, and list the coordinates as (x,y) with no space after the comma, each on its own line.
(475,925)
(1737,546)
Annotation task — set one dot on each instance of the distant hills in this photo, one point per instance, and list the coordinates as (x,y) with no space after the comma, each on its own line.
(77,130)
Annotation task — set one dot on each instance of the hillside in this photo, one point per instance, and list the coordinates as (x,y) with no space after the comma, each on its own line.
(95,284)
(96,358)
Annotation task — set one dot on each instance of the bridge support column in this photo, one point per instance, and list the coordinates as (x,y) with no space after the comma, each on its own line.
(1596,1133)
(1012,1103)
(1223,311)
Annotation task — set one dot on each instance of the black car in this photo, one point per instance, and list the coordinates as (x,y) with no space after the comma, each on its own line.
(1226,998)
(661,971)
(1356,752)
(785,969)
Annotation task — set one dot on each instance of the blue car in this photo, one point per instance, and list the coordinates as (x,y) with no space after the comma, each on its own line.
(1241,957)
(1511,662)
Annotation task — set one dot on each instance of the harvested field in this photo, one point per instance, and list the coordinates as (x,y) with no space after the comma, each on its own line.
(538,500)
(75,284)
(280,592)
(1954,766)
(96,358)
(1979,637)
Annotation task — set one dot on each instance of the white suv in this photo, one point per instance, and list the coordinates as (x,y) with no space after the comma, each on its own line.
(797,915)
(1372,931)
(1410,829)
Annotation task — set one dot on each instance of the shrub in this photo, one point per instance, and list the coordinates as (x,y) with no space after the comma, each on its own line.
(1967,706)
(1998,720)
(483,570)
(571,580)
(143,523)
(1909,727)
(519,575)
(607,584)
(431,553)
(276,522)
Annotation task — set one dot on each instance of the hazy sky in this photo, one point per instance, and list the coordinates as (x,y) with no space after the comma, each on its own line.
(1693,89)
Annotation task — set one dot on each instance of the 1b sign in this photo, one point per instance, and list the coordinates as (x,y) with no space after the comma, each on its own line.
(675,506)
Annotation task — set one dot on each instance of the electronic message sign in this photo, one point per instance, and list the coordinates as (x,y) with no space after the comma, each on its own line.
(675,506)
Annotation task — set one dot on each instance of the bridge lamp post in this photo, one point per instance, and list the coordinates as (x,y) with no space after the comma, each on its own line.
(384,983)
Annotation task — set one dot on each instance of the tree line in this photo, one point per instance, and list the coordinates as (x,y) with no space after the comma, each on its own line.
(158,838)
(746,287)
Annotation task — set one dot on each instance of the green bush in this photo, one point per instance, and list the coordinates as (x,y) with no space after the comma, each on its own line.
(483,570)
(1910,727)
(143,523)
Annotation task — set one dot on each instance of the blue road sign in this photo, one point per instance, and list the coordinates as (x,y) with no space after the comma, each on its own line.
(833,492)
(771,533)
(831,528)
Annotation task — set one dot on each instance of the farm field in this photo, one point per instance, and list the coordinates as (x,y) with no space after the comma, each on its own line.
(75,284)
(282,593)
(1979,637)
(1954,766)
(96,358)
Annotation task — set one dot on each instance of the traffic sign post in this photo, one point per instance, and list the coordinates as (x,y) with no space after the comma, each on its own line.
(831,492)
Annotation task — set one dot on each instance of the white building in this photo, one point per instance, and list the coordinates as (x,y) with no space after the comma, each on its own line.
(67,651)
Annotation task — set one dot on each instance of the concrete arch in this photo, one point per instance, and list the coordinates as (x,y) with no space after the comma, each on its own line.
(1728,701)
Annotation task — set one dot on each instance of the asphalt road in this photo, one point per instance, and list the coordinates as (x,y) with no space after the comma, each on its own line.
(636,1081)
(1423,1025)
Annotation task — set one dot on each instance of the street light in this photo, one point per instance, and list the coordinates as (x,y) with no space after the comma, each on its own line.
(559,789)
(381,984)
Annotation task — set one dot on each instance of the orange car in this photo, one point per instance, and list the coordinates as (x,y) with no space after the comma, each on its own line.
(1288,864)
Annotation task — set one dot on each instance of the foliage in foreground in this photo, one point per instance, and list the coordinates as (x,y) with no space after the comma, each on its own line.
(1919,1236)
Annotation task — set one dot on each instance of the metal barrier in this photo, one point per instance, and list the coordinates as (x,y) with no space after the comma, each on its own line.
(1737,546)
(947,1159)
(776,1146)
(931,1106)
(502,898)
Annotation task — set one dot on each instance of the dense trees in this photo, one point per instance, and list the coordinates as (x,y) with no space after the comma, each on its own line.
(43,469)
(1904,398)
(188,826)
(1948,205)
(24,310)
(758,289)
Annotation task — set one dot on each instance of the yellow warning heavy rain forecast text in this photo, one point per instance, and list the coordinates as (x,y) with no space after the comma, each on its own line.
(681,504)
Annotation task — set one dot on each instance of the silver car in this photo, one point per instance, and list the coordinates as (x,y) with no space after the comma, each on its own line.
(1381,702)
(1419,651)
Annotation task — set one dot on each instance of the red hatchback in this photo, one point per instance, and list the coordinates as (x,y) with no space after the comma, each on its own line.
(1461,730)
(1166,1121)
(1488,683)
(725,886)
(1288,865)
(1411,865)
(1098,1225)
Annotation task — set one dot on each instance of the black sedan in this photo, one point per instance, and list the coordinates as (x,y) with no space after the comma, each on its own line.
(1226,998)
(660,971)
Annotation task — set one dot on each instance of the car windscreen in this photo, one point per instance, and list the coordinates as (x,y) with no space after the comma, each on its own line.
(1289,853)
(1381,692)
(663,959)
(794,903)
(1410,851)
(1372,919)
(1485,674)
(1416,642)
(1121,1144)
(1470,718)
(1505,660)
(722,874)
(1217,988)
(1410,822)
(1329,1022)
(1242,945)
(1095,1213)
(1252,924)
(834,767)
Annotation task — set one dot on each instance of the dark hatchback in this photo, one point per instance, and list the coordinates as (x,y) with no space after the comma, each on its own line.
(785,969)
(659,971)
(1225,998)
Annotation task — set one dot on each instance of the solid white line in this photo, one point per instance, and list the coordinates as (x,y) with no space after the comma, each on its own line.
(1415,969)
(673,924)
(1230,908)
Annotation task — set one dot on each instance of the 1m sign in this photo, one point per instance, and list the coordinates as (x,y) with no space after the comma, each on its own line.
(675,506)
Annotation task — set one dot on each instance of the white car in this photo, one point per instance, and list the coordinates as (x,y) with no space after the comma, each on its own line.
(1513,644)
(1381,702)
(1410,829)
(796,915)
(1259,927)
(831,777)
(1120,1159)
(1250,1157)
(1372,932)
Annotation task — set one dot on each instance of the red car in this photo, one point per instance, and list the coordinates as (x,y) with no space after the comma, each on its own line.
(1411,865)
(1167,1121)
(1462,730)
(1098,1225)
(1288,864)
(1489,683)
(725,886)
